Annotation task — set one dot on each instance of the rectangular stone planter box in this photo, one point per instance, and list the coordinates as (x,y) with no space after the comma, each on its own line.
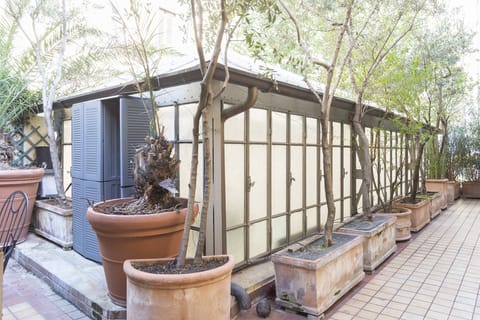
(435,205)
(453,191)
(420,216)
(438,185)
(379,238)
(311,279)
(471,189)
(402,223)
(53,223)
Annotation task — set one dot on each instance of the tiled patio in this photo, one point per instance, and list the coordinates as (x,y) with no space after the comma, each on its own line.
(436,276)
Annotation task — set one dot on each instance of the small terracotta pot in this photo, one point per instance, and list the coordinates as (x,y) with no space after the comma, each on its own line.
(122,237)
(26,180)
(201,295)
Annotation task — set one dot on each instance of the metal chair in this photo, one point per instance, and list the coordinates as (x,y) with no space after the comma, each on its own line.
(12,218)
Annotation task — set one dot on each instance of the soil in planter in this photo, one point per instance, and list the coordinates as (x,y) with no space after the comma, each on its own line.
(133,207)
(418,199)
(317,249)
(171,268)
(364,224)
(67,204)
(390,210)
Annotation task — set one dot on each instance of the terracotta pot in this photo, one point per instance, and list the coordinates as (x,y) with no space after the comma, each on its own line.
(438,185)
(201,295)
(122,237)
(402,224)
(379,238)
(53,222)
(26,180)
(420,216)
(471,189)
(311,286)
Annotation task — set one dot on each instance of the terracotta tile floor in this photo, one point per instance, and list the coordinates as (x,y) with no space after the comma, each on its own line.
(26,297)
(435,276)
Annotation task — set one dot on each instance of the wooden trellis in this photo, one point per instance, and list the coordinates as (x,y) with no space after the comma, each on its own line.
(25,144)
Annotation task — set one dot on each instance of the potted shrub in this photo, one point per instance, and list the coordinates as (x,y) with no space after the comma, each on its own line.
(378,231)
(298,279)
(173,287)
(385,207)
(16,103)
(458,150)
(53,217)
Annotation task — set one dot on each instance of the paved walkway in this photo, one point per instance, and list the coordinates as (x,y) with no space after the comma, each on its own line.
(26,297)
(436,276)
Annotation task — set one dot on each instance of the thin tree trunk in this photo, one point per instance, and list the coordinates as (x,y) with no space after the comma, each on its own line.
(328,181)
(416,171)
(364,159)
(207,178)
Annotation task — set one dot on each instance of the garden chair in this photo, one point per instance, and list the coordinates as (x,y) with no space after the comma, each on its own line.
(12,218)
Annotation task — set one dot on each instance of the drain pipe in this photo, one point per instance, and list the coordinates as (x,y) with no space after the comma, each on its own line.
(243,299)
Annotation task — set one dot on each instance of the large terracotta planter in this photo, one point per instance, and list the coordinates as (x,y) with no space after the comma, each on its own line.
(201,295)
(436,204)
(471,189)
(122,237)
(311,285)
(453,191)
(420,216)
(438,185)
(26,180)
(379,238)
(402,224)
(53,222)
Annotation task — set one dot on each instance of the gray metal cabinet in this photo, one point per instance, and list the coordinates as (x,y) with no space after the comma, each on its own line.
(105,134)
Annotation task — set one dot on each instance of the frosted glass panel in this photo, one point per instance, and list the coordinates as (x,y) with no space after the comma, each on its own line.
(346,135)
(337,133)
(311,176)
(166,115)
(348,174)
(347,208)
(296,226)
(258,125)
(337,167)
(67,131)
(185,154)
(67,167)
(323,215)
(234,128)
(186,113)
(235,247)
(258,238)
(322,178)
(234,184)
(338,211)
(312,131)
(258,176)
(311,220)
(279,127)
(279,232)
(296,168)
(279,188)
(296,129)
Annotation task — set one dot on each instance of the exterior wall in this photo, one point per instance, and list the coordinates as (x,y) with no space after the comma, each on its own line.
(268,187)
